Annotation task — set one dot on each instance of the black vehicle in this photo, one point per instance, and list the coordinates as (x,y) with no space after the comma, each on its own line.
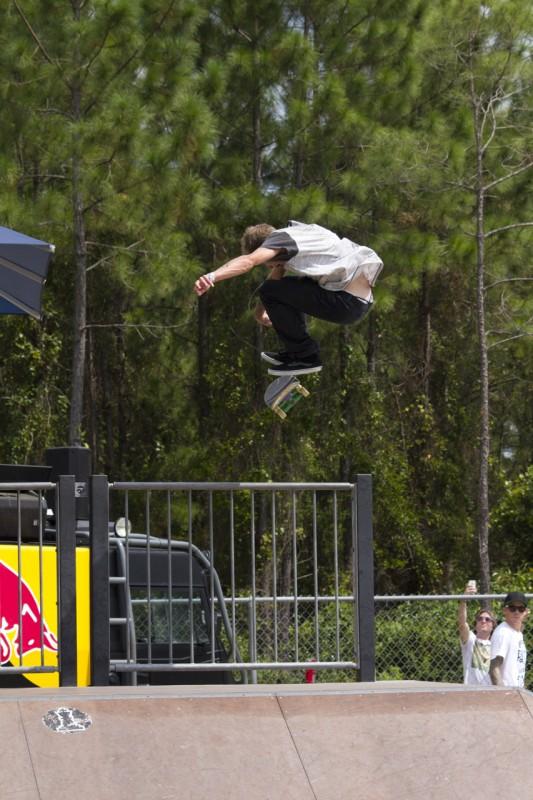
(166,605)
(161,610)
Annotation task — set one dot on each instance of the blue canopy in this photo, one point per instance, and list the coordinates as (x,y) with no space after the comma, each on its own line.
(23,269)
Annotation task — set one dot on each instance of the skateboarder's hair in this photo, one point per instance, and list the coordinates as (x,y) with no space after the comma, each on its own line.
(254,236)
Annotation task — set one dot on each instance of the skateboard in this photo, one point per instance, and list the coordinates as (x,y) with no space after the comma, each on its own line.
(283,393)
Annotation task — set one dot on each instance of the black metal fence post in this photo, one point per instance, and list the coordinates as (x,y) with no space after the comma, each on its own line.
(66,579)
(99,571)
(365,578)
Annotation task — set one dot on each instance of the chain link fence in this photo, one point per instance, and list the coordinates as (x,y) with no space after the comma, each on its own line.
(416,636)
(288,629)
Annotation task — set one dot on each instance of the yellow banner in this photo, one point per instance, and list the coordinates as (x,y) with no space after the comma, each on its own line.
(29,614)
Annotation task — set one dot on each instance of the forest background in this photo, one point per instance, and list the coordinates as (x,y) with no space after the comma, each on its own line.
(142,136)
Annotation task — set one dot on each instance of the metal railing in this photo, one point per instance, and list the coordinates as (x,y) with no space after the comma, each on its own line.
(289,567)
(23,629)
(325,625)
(267,540)
(416,635)
(25,635)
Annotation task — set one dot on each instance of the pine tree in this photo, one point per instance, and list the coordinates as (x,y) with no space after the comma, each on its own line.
(493,84)
(107,133)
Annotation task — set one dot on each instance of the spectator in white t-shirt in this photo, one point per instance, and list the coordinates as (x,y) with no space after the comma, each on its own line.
(508,651)
(312,272)
(475,645)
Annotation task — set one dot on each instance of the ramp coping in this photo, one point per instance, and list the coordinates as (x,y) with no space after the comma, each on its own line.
(249,690)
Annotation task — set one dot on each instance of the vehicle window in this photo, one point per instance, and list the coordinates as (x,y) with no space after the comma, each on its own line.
(166,618)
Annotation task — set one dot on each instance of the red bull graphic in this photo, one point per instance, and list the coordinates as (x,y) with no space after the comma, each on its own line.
(29,613)
(23,628)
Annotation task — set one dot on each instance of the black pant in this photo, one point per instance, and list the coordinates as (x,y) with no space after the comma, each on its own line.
(288,300)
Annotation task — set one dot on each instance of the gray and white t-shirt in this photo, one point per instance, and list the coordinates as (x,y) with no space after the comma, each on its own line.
(315,252)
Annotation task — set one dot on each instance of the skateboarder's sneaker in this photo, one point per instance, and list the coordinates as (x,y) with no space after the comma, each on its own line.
(275,358)
(301,366)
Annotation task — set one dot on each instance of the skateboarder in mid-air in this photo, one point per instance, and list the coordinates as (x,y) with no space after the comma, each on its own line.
(312,272)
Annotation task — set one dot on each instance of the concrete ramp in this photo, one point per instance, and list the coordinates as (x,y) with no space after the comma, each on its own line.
(383,741)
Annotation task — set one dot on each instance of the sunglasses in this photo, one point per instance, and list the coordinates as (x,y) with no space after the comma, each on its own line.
(484,619)
(520,609)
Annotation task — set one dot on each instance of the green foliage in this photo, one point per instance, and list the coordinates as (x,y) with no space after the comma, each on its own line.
(199,120)
(512,520)
(517,579)
(418,641)
(33,407)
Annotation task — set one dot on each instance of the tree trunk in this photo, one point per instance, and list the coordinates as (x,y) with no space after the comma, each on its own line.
(80,262)
(257,150)
(484,449)
(371,346)
(425,313)
(257,180)
(122,422)
(484,438)
(202,393)
(259,372)
(80,288)
(304,97)
(93,398)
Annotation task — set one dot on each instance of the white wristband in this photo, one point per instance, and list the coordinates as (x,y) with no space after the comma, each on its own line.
(211,278)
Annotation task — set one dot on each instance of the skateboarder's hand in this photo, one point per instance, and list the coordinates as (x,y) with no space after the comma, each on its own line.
(262,317)
(203,284)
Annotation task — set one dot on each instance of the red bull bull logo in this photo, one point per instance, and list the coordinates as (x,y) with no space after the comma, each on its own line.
(29,614)
(23,628)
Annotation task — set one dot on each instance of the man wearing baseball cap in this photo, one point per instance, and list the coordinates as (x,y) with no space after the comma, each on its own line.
(508,651)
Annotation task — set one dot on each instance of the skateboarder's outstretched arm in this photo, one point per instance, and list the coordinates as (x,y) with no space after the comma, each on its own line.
(234,268)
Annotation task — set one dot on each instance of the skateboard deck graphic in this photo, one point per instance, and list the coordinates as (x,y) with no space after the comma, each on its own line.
(283,393)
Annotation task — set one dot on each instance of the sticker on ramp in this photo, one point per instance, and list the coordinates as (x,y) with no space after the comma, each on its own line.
(67,720)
